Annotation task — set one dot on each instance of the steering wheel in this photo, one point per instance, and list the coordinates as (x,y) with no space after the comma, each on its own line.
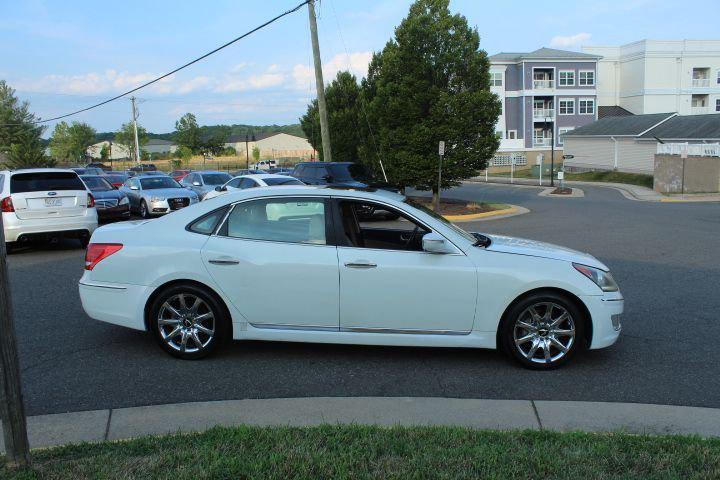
(412,236)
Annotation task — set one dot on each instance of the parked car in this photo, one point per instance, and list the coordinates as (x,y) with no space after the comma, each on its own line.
(88,171)
(153,173)
(179,174)
(99,165)
(204,181)
(252,181)
(279,171)
(265,164)
(45,203)
(144,167)
(213,272)
(247,171)
(111,204)
(116,179)
(152,195)
(338,174)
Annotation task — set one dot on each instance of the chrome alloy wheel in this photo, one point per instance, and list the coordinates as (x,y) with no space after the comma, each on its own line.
(186,323)
(544,332)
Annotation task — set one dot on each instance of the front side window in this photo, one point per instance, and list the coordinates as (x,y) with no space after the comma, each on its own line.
(586,106)
(215,178)
(247,183)
(586,78)
(234,183)
(289,220)
(566,78)
(567,106)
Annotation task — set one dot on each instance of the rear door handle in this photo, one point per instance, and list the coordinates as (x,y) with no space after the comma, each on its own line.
(223,261)
(360,264)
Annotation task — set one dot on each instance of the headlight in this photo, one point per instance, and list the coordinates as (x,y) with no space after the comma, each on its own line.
(156,199)
(601,278)
(124,201)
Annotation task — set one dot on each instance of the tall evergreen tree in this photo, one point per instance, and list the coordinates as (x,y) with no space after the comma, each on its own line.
(20,143)
(431,82)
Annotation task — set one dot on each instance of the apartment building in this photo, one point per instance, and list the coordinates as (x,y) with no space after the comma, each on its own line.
(652,76)
(544,94)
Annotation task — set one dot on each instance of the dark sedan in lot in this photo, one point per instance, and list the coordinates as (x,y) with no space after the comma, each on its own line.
(111,204)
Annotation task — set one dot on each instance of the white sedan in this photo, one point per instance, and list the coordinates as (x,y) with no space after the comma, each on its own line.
(243,182)
(304,264)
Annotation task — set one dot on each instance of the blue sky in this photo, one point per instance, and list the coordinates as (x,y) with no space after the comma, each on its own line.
(62,56)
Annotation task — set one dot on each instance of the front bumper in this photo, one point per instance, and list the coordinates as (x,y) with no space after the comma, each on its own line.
(163,206)
(606,312)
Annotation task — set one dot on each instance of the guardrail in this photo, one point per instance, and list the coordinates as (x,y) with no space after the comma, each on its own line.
(691,149)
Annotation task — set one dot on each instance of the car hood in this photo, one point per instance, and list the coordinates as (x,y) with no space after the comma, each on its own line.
(533,248)
(169,193)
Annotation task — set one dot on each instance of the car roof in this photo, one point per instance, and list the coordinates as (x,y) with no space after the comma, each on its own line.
(320,190)
(39,170)
(261,176)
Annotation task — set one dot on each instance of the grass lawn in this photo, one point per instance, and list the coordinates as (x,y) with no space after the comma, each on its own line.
(336,452)
(600,176)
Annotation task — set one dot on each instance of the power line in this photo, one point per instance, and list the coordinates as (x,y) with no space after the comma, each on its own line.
(288,12)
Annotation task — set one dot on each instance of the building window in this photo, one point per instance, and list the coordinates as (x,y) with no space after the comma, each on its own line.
(567,106)
(586,78)
(586,106)
(718,77)
(717,105)
(511,134)
(562,131)
(496,79)
(566,78)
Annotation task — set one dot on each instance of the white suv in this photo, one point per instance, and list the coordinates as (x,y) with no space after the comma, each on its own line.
(45,203)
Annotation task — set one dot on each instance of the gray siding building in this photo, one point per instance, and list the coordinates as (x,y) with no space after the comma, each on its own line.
(544,94)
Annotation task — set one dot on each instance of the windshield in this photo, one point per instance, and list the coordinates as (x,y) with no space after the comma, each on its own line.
(282,181)
(215,178)
(468,236)
(115,178)
(97,184)
(350,172)
(154,183)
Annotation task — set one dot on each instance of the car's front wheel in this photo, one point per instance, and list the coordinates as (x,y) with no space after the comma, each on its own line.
(544,331)
(188,321)
(144,212)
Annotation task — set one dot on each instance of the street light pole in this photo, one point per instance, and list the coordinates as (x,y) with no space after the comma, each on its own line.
(247,153)
(319,85)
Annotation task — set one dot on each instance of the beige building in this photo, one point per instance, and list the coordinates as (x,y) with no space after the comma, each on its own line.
(118,151)
(272,145)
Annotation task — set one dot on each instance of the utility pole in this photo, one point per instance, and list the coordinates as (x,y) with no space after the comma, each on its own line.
(247,153)
(12,410)
(135,117)
(319,85)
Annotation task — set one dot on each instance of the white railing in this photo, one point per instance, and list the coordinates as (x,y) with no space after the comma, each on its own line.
(543,113)
(540,84)
(542,142)
(701,82)
(698,110)
(692,149)
(505,160)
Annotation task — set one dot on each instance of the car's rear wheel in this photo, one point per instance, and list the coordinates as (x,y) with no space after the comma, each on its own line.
(188,321)
(144,212)
(544,331)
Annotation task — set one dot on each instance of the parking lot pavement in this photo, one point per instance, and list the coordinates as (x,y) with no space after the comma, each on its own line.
(664,256)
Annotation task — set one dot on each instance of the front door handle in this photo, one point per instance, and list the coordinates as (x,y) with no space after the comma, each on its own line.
(223,261)
(360,264)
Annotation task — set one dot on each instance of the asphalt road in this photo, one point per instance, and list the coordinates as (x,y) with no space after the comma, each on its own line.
(666,258)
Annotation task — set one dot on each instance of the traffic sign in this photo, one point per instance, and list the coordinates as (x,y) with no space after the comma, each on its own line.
(441,148)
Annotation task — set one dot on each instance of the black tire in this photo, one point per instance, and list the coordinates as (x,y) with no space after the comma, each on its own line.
(221,326)
(144,212)
(520,312)
(84,240)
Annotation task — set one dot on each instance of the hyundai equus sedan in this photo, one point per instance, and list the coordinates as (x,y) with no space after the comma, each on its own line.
(215,271)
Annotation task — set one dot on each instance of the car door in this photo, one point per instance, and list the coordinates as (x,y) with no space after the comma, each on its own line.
(132,190)
(275,261)
(389,284)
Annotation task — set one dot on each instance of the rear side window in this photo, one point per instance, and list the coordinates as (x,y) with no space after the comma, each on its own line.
(45,181)
(206,224)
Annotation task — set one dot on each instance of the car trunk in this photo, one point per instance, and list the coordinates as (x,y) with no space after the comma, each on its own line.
(48,195)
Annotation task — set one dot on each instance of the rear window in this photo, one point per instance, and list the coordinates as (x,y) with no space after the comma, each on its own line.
(45,181)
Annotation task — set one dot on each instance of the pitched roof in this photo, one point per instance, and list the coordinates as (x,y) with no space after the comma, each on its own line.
(544,54)
(257,136)
(688,127)
(631,125)
(159,141)
(612,111)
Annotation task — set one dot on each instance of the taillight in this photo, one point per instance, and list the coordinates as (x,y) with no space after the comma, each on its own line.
(96,252)
(6,205)
(91,200)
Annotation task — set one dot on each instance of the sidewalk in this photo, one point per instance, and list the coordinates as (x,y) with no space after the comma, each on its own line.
(124,423)
(631,192)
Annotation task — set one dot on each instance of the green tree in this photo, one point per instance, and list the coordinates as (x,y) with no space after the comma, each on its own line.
(431,82)
(20,143)
(214,144)
(256,153)
(187,133)
(68,143)
(345,120)
(105,153)
(126,136)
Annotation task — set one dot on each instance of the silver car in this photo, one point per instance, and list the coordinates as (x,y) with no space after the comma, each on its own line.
(156,195)
(205,181)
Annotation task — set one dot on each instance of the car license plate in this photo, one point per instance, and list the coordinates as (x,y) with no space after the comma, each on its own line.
(53,202)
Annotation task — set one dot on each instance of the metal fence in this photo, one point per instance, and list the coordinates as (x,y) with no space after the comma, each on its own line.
(691,149)
(506,160)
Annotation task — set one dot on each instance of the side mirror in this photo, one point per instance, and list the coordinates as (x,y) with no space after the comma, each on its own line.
(133,187)
(327,178)
(220,188)
(435,243)
(196,184)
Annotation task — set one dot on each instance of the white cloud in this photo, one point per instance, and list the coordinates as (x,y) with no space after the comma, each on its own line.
(356,62)
(570,41)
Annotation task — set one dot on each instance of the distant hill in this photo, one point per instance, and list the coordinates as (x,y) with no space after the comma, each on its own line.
(209,130)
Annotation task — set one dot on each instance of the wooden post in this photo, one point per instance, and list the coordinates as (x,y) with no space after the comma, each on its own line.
(12,410)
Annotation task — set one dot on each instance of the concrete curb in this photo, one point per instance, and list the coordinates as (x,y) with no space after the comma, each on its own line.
(576,193)
(123,423)
(494,215)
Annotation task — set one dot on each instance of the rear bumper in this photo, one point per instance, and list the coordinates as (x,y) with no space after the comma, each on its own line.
(16,229)
(116,303)
(606,311)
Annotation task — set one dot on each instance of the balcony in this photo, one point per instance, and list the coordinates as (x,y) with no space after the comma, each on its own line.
(700,82)
(543,84)
(542,142)
(540,114)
